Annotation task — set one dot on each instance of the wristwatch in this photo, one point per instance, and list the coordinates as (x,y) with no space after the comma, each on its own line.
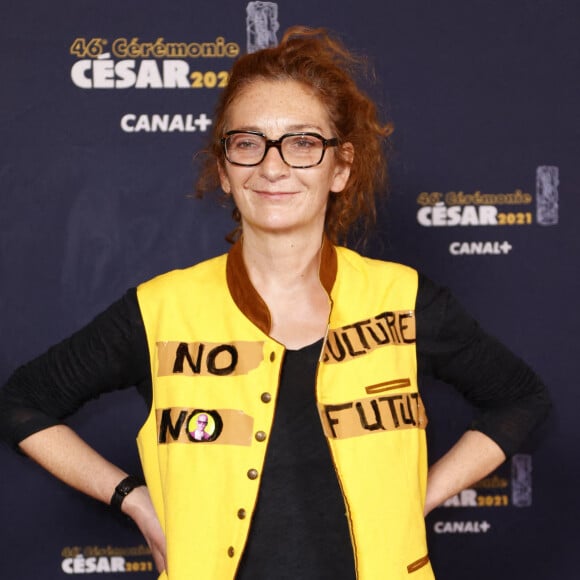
(125,487)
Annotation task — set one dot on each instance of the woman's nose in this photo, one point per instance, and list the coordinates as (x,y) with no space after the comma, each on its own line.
(273,165)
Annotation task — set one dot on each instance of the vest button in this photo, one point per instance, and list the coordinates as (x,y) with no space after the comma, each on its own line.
(260,436)
(231,551)
(272,356)
(242,513)
(252,473)
(266,397)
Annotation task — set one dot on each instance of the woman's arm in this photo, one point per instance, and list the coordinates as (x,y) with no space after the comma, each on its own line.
(66,456)
(109,353)
(509,398)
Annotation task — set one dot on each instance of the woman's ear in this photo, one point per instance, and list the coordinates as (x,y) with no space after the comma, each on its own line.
(342,169)
(224,180)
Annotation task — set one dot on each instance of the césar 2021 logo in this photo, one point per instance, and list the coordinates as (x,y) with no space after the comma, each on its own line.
(124,63)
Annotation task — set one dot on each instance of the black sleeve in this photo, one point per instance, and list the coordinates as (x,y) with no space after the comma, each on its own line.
(451,346)
(109,353)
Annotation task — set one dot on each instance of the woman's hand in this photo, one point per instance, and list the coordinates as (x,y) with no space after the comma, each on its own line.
(138,506)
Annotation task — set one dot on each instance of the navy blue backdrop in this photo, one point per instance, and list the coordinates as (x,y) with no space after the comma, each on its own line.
(102,108)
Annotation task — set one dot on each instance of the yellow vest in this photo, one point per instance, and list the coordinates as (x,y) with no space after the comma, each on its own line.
(215,377)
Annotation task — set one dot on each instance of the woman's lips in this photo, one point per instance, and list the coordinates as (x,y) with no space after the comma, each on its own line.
(275,194)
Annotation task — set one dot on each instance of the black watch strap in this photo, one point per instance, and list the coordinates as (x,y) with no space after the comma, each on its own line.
(125,487)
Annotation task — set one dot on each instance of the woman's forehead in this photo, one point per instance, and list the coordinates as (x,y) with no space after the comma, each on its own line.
(277,104)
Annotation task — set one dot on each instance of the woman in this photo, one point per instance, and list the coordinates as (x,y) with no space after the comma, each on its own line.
(262,347)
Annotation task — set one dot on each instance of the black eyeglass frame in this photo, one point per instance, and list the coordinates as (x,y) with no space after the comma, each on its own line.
(277,143)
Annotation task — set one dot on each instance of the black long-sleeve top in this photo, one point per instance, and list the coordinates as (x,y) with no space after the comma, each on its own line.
(304,514)
(111,353)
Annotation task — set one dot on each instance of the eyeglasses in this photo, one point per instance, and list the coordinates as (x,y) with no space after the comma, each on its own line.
(298,150)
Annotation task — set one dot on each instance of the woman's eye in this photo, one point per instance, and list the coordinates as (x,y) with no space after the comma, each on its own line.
(304,143)
(245,144)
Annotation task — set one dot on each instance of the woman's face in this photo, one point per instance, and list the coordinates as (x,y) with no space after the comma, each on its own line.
(272,196)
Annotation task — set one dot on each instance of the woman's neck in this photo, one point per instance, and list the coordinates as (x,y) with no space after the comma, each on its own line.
(285,272)
(281,260)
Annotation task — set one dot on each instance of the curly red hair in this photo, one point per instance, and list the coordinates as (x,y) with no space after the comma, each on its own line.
(321,62)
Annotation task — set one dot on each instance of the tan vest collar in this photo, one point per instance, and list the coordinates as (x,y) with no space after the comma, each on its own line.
(246,296)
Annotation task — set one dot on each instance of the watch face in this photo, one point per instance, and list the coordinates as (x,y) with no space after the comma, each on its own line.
(127,485)
(124,488)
